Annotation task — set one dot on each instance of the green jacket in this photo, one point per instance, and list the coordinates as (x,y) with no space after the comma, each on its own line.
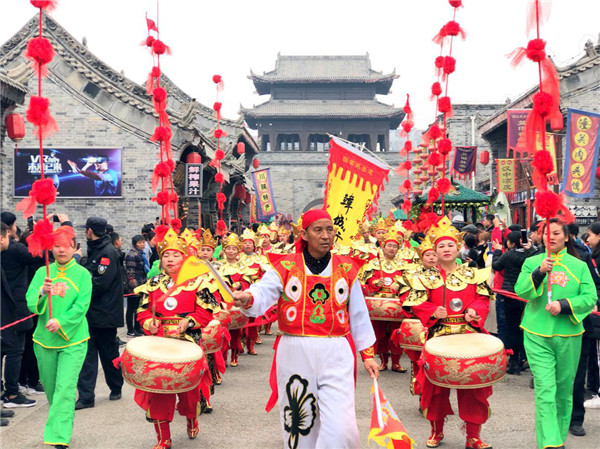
(571,280)
(71,295)
(154,270)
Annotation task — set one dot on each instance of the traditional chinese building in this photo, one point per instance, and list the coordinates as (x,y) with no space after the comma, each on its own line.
(579,89)
(95,107)
(311,98)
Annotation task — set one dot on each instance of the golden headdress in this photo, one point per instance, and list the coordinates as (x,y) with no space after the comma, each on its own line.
(426,245)
(190,239)
(443,229)
(207,239)
(263,230)
(232,240)
(171,241)
(404,232)
(248,234)
(379,225)
(273,231)
(393,236)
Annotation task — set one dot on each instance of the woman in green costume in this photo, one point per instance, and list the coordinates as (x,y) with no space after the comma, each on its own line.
(60,338)
(553,329)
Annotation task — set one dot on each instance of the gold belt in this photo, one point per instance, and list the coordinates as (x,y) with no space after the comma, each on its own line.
(453,320)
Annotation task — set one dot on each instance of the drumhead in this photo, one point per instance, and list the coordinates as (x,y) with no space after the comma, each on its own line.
(377,298)
(464,345)
(160,349)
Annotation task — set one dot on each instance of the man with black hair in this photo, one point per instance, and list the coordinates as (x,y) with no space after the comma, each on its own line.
(104,316)
(12,344)
(488,222)
(583,251)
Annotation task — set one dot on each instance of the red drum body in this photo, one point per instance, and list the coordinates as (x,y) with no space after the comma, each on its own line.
(162,365)
(464,361)
(412,334)
(384,309)
(213,337)
(238,319)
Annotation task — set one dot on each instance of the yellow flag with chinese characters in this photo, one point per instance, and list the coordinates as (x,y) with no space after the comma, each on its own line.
(354,182)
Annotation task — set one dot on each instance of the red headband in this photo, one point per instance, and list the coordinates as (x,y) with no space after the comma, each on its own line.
(308,218)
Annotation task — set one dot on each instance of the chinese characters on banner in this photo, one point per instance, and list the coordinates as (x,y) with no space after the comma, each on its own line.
(354,182)
(507,175)
(265,201)
(193,180)
(581,154)
(515,139)
(465,161)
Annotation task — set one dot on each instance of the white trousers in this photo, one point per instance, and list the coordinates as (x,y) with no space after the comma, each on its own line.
(315,381)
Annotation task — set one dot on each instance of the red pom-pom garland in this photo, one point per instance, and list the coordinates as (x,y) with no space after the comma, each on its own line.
(444,185)
(219,178)
(445,146)
(536,50)
(543,104)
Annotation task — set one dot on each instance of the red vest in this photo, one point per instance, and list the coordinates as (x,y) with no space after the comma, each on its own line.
(314,306)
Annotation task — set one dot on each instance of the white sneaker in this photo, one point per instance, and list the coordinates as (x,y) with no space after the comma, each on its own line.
(23,389)
(592,403)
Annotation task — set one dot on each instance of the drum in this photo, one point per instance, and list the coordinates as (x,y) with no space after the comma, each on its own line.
(162,365)
(213,337)
(238,319)
(412,334)
(384,309)
(464,361)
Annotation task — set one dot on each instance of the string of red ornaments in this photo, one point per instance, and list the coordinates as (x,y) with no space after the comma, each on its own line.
(162,175)
(435,138)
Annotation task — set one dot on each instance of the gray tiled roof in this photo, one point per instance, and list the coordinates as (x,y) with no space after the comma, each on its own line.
(323,108)
(323,68)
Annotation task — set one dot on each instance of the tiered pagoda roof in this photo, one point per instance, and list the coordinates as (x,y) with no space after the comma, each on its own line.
(323,70)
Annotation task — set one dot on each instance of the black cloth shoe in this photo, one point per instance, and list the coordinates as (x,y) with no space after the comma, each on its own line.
(114,396)
(531,385)
(7,413)
(17,400)
(3,422)
(121,342)
(80,405)
(577,431)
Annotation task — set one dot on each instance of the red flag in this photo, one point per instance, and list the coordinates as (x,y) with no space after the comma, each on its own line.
(151,24)
(386,428)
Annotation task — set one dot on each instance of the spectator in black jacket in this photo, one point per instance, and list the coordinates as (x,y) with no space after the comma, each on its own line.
(104,316)
(511,262)
(591,324)
(13,309)
(135,267)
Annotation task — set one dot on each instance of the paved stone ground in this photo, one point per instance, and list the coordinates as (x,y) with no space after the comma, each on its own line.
(240,421)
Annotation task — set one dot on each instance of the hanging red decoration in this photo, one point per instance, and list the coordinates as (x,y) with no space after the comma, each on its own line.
(193,158)
(598,173)
(436,89)
(162,198)
(176,225)
(433,195)
(40,52)
(445,146)
(255,163)
(219,178)
(444,185)
(219,155)
(484,157)
(159,47)
(38,114)
(15,127)
(42,238)
(241,148)
(48,5)
(434,159)
(445,105)
(159,99)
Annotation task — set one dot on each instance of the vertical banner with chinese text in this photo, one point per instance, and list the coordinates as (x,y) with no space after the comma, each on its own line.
(581,154)
(506,175)
(465,162)
(354,182)
(515,139)
(193,180)
(265,201)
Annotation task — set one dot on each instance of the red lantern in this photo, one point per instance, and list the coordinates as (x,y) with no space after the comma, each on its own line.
(241,148)
(417,182)
(424,178)
(239,192)
(598,173)
(248,198)
(193,158)
(417,171)
(484,157)
(418,192)
(255,163)
(15,127)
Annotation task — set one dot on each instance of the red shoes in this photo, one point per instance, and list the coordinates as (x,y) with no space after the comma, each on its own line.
(398,368)
(476,443)
(192,428)
(437,434)
(163,434)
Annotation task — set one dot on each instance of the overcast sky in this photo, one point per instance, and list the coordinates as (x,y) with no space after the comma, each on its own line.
(230,37)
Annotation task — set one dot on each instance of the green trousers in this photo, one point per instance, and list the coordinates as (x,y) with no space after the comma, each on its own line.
(553,362)
(59,372)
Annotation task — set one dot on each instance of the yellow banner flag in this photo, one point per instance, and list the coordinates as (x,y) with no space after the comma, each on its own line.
(354,182)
